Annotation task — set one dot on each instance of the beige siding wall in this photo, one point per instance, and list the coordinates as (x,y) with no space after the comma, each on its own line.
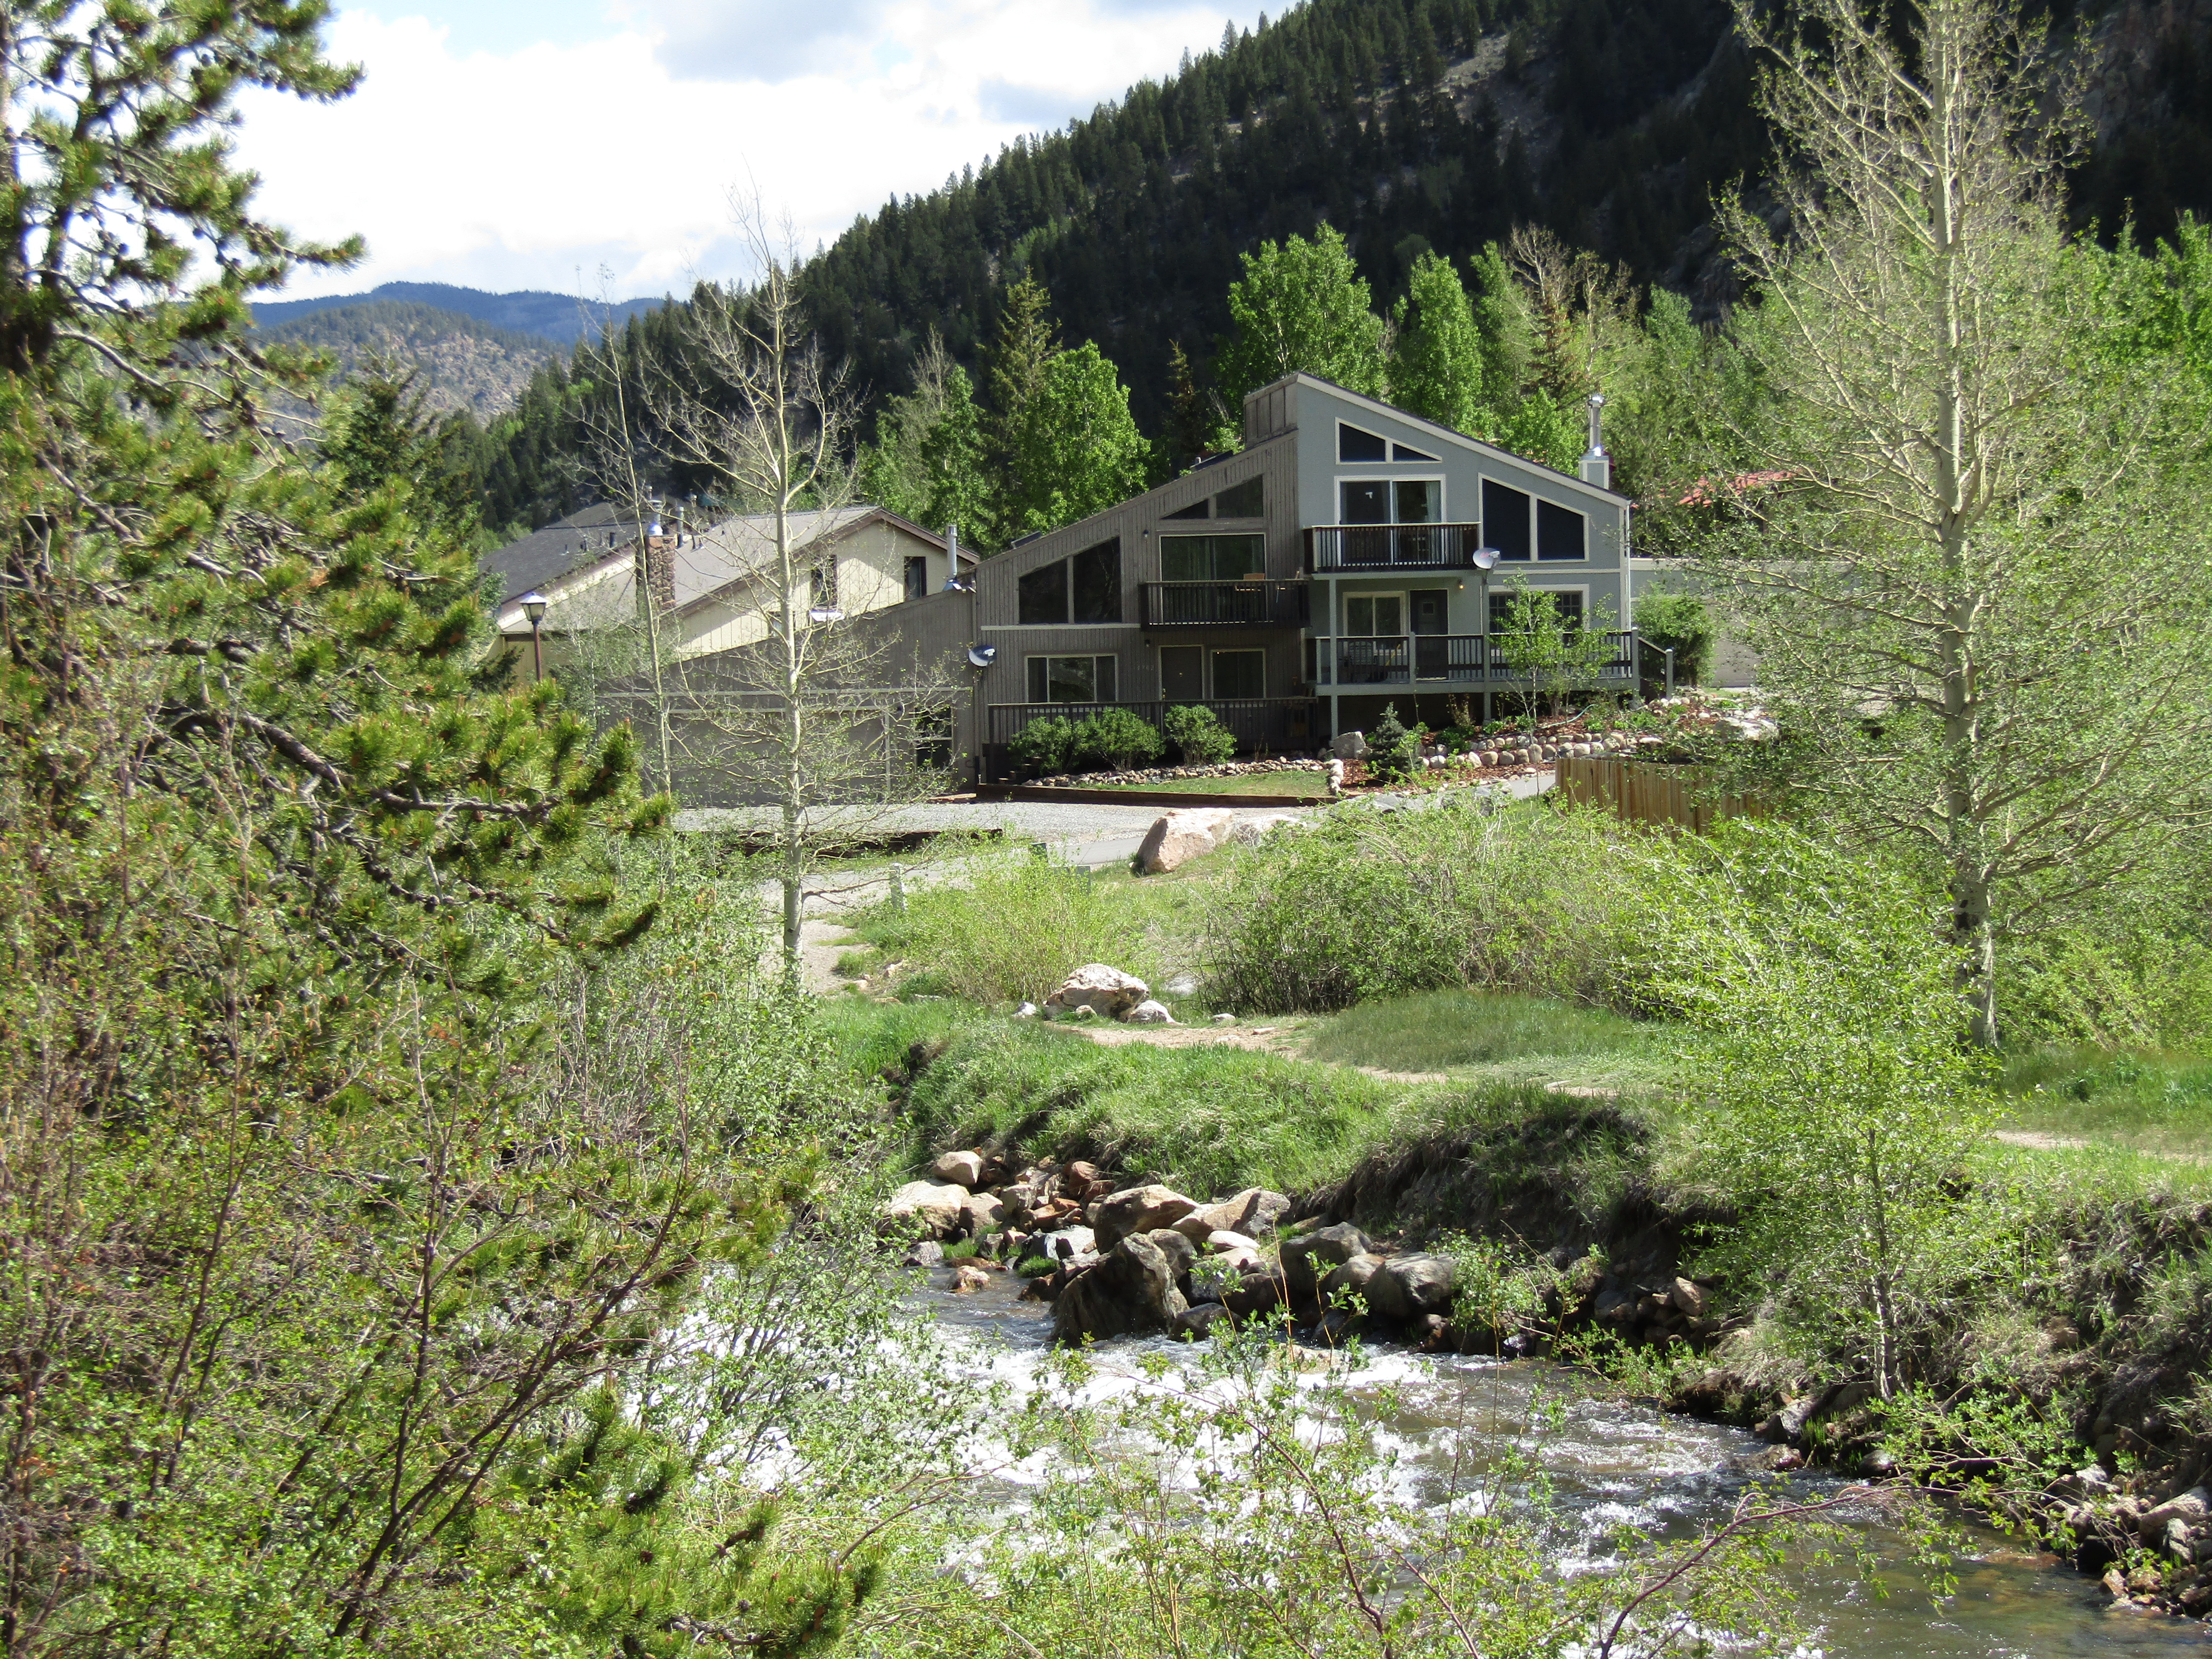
(871,577)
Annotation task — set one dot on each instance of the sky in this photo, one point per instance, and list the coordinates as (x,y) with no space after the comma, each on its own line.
(504,144)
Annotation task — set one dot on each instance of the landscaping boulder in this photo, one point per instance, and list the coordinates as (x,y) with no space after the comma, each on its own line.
(1098,989)
(934,1209)
(1410,1287)
(1176,838)
(1138,1209)
(1251,831)
(1252,1211)
(958,1170)
(1306,1259)
(1349,745)
(1151,1013)
(1131,1290)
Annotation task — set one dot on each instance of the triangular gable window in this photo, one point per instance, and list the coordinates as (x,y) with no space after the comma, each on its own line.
(1400,452)
(1353,445)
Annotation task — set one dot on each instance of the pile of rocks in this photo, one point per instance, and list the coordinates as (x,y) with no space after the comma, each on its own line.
(1298,762)
(1507,751)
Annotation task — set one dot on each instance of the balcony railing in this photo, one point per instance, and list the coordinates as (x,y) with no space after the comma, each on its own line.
(1271,723)
(1392,546)
(1402,659)
(1259,603)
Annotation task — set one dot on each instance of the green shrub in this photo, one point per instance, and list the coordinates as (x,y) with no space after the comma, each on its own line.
(1681,620)
(1200,738)
(1044,746)
(1116,738)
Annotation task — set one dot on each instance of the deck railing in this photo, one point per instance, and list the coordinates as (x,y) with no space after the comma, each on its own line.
(1254,604)
(1334,547)
(1403,658)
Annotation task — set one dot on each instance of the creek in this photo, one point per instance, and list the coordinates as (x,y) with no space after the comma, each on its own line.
(1616,1462)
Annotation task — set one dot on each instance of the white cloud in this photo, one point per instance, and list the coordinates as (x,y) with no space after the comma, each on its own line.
(512,169)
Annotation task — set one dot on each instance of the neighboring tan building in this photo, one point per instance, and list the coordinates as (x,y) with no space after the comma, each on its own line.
(715,586)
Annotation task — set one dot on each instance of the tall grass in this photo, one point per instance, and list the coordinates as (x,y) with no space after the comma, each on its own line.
(1439,1029)
(1012,925)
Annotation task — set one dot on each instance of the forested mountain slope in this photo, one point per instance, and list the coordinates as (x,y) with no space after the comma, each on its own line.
(560,318)
(1408,125)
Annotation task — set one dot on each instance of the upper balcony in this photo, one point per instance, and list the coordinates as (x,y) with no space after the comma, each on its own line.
(1331,547)
(1253,603)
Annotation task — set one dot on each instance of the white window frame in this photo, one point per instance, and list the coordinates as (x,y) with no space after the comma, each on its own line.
(1535,559)
(1114,657)
(1403,595)
(1503,590)
(1393,479)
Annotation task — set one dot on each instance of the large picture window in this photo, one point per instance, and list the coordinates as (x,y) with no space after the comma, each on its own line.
(1042,595)
(1420,501)
(1240,673)
(1560,532)
(1096,583)
(1085,588)
(1505,519)
(1374,614)
(1070,680)
(1211,558)
(1364,500)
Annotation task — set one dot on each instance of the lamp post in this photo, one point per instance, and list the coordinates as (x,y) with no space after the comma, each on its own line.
(1486,560)
(533,606)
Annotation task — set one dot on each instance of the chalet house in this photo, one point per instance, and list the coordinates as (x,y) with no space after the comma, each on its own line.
(714,585)
(1335,564)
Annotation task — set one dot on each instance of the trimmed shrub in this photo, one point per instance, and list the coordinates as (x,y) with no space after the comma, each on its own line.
(1117,738)
(1199,737)
(1045,746)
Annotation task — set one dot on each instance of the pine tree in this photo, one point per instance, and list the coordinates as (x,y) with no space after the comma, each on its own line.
(1024,346)
(954,460)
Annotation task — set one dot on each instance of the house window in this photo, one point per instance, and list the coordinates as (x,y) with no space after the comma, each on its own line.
(1560,532)
(933,739)
(1419,501)
(822,584)
(917,576)
(1199,509)
(1041,597)
(1375,614)
(1364,500)
(1248,500)
(1096,583)
(1070,680)
(1505,519)
(1353,445)
(1566,603)
(1403,452)
(1240,673)
(1210,558)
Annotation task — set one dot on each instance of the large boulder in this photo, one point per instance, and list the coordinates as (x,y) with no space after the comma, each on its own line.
(1410,1287)
(1138,1209)
(1349,745)
(958,1170)
(1355,1278)
(1103,990)
(1179,1251)
(1251,831)
(1257,1290)
(982,1213)
(923,1207)
(1306,1258)
(1132,1290)
(1253,1213)
(1177,838)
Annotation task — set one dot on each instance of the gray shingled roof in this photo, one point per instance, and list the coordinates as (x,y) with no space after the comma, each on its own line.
(546,556)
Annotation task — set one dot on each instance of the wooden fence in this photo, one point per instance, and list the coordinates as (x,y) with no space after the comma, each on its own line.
(1642,791)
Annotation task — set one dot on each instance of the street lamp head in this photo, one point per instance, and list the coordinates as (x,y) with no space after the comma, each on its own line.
(1486,558)
(533,606)
(825,613)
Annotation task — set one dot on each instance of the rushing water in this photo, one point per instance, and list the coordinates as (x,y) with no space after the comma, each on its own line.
(1615,1462)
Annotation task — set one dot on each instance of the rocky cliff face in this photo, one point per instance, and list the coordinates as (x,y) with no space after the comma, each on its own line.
(460,363)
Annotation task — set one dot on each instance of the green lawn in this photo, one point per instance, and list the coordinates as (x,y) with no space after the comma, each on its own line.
(2144,1103)
(1442,1029)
